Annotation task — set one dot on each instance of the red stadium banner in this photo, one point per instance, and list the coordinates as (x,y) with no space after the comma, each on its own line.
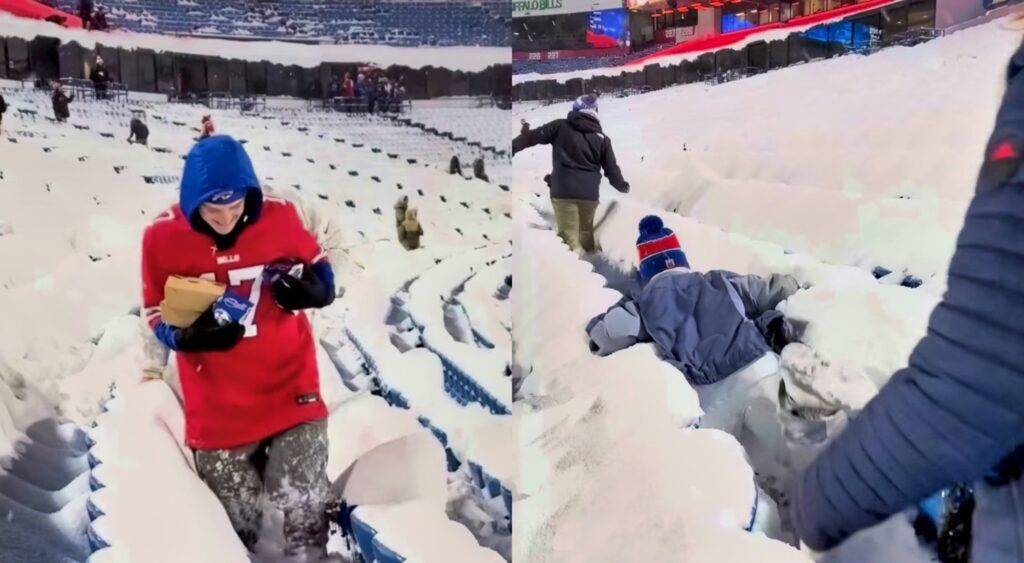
(726,39)
(37,11)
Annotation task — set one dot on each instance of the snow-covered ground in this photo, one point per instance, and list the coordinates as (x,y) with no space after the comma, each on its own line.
(823,171)
(79,469)
(860,161)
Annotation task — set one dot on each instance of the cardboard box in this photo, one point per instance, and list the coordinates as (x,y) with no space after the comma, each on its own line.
(177,317)
(186,298)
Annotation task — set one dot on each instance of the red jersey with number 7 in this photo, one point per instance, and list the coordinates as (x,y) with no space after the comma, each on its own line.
(268,382)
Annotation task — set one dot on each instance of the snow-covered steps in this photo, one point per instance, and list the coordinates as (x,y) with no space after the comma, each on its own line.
(490,317)
(472,374)
(912,234)
(44,481)
(469,433)
(427,394)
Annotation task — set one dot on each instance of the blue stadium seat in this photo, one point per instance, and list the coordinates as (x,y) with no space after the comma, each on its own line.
(384,554)
(364,534)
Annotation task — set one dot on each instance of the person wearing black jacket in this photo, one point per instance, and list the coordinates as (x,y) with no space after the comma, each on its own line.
(99,20)
(3,110)
(60,103)
(579,150)
(139,132)
(100,78)
(85,8)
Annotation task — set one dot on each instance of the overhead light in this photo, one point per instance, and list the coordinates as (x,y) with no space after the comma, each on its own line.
(682,9)
(716,3)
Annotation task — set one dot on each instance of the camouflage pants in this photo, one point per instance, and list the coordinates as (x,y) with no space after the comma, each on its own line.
(291,467)
(574,219)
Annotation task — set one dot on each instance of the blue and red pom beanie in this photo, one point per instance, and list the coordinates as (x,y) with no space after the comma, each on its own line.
(658,249)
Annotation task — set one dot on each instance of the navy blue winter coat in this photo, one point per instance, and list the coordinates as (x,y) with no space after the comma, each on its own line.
(957,409)
(708,326)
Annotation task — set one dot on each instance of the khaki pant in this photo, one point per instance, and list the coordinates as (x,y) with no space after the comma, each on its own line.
(574,219)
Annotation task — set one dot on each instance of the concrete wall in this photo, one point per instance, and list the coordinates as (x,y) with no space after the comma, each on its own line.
(709,23)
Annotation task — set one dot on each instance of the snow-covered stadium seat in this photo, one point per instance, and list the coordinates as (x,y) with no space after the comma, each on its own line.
(407,24)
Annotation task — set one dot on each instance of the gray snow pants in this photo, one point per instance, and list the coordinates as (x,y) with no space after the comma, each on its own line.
(291,466)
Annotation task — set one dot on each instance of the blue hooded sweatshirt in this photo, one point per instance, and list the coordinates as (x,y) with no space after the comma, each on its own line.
(218,164)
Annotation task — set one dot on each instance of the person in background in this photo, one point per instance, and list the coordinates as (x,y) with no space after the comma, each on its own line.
(207,126)
(3,110)
(85,9)
(579,150)
(478,170)
(400,206)
(99,20)
(139,132)
(100,79)
(60,102)
(348,87)
(954,414)
(410,230)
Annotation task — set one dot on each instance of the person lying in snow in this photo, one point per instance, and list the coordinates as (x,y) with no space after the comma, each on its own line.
(954,414)
(253,411)
(719,328)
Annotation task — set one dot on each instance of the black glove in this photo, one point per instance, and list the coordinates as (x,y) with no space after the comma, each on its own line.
(205,335)
(781,332)
(307,292)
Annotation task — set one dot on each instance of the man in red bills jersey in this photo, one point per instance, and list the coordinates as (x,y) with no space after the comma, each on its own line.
(253,410)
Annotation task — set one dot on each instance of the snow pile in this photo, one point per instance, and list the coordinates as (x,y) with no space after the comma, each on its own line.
(485,366)
(491,317)
(596,434)
(415,380)
(149,486)
(862,174)
(436,540)
(471,431)
(44,478)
